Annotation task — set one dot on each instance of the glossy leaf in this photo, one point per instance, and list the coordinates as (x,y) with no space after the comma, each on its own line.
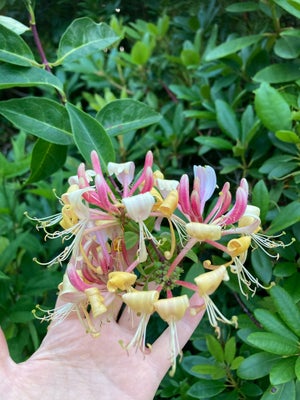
(41,117)
(13,25)
(14,76)
(256,366)
(14,50)
(273,324)
(289,7)
(283,371)
(285,391)
(90,135)
(83,37)
(288,136)
(286,308)
(272,108)
(297,368)
(273,343)
(229,350)
(261,198)
(213,142)
(232,46)
(122,116)
(140,53)
(215,348)
(203,389)
(278,73)
(227,119)
(246,6)
(215,371)
(287,47)
(288,215)
(262,265)
(46,159)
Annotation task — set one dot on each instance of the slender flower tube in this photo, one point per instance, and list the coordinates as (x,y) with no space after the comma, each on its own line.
(172,310)
(207,284)
(142,303)
(138,209)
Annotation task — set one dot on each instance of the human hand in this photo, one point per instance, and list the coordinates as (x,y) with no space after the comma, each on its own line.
(72,364)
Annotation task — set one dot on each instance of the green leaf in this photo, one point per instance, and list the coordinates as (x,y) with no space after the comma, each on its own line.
(14,76)
(46,159)
(215,371)
(289,7)
(273,343)
(140,53)
(286,308)
(297,368)
(230,350)
(261,198)
(41,117)
(203,389)
(285,391)
(10,251)
(232,46)
(189,57)
(262,265)
(3,276)
(126,115)
(287,136)
(14,50)
(84,37)
(215,348)
(273,324)
(272,109)
(283,371)
(246,6)
(287,47)
(227,119)
(288,215)
(256,366)
(214,142)
(278,73)
(90,135)
(13,25)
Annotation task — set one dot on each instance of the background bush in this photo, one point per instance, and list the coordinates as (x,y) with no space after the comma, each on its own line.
(225,79)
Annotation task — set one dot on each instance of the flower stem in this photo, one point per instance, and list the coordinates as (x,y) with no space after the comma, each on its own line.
(36,37)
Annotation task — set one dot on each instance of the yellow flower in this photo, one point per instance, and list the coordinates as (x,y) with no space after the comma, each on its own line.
(142,303)
(207,284)
(172,310)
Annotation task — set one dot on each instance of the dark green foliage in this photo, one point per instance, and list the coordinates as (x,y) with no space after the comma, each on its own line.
(209,82)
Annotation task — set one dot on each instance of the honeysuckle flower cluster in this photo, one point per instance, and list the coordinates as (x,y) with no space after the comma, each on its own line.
(128,236)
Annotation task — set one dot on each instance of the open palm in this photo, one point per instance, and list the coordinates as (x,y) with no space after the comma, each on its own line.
(72,364)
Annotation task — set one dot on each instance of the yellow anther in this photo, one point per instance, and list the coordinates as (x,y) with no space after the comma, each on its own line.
(120,280)
(96,301)
(169,204)
(69,218)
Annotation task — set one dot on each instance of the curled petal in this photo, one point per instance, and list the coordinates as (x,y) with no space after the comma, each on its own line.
(207,183)
(209,281)
(238,209)
(184,195)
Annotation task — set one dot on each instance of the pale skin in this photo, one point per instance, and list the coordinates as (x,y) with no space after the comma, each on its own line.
(71,364)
